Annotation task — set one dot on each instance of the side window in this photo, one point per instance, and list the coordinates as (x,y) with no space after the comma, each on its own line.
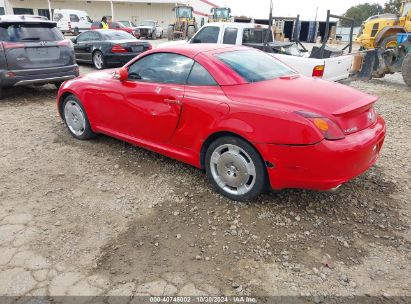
(94,36)
(208,34)
(199,76)
(230,35)
(161,68)
(87,36)
(74,18)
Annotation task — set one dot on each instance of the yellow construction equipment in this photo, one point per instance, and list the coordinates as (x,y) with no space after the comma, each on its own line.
(381,31)
(220,14)
(185,25)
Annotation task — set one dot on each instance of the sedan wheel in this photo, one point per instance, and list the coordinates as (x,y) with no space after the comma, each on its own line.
(98,60)
(76,119)
(235,168)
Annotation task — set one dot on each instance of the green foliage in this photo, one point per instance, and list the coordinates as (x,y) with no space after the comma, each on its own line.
(392,6)
(361,12)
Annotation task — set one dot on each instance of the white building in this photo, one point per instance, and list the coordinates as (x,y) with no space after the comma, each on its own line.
(133,10)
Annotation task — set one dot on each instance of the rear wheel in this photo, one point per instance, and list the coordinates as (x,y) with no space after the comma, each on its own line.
(170,32)
(389,42)
(235,169)
(76,119)
(98,60)
(406,69)
(191,31)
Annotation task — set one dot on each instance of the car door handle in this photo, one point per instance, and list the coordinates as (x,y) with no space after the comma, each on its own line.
(172,101)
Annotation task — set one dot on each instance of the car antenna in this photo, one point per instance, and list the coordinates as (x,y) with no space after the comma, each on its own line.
(270,27)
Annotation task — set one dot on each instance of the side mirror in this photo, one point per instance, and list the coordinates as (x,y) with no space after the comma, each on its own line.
(74,40)
(121,74)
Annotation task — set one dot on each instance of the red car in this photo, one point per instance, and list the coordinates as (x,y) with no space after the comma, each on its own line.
(247,119)
(116,26)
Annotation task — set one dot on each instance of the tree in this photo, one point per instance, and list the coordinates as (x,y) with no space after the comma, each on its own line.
(392,7)
(361,12)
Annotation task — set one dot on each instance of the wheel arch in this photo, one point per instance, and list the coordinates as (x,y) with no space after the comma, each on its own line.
(61,99)
(214,136)
(388,31)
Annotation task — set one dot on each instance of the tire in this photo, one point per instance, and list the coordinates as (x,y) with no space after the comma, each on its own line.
(98,60)
(153,35)
(76,32)
(235,169)
(406,69)
(76,120)
(191,31)
(388,42)
(170,32)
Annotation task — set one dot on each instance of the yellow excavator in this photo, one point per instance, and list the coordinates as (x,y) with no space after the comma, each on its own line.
(185,25)
(220,14)
(381,31)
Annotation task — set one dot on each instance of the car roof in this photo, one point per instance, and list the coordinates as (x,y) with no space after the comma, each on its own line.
(24,18)
(193,49)
(236,25)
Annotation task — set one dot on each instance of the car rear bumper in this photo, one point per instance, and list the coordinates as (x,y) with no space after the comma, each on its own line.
(119,59)
(9,78)
(325,165)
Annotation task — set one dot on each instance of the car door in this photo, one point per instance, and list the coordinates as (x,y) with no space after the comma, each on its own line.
(151,99)
(82,46)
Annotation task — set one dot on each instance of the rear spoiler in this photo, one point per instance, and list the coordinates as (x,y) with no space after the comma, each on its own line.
(358,106)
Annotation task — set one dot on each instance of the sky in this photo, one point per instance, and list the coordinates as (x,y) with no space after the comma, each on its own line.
(290,8)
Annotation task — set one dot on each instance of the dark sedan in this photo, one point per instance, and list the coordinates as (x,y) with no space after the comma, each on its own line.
(107,48)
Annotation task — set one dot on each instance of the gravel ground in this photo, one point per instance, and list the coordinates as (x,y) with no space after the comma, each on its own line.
(102,217)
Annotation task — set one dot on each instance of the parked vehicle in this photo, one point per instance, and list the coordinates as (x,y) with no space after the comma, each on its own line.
(104,48)
(249,123)
(72,21)
(118,26)
(128,24)
(185,24)
(333,69)
(150,29)
(33,51)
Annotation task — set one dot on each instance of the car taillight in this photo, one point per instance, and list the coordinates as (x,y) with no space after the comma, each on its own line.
(13,45)
(117,48)
(318,71)
(327,127)
(65,43)
(149,47)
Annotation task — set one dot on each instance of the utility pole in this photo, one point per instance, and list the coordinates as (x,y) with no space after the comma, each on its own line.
(316,14)
(112,10)
(270,28)
(50,11)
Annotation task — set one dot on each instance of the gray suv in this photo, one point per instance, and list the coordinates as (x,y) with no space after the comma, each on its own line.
(34,51)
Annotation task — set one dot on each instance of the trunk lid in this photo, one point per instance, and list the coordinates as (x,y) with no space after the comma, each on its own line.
(352,110)
(35,46)
(132,46)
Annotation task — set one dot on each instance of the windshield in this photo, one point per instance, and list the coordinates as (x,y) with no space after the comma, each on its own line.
(184,12)
(256,35)
(30,32)
(258,67)
(221,13)
(148,23)
(117,35)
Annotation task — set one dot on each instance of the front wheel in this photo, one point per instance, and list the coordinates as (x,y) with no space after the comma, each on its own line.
(406,69)
(76,119)
(98,60)
(235,169)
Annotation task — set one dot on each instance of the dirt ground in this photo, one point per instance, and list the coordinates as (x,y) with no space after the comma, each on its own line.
(102,217)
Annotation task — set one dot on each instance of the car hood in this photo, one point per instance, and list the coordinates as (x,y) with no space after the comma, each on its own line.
(145,27)
(296,93)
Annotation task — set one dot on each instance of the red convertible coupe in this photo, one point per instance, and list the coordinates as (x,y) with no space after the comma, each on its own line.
(244,117)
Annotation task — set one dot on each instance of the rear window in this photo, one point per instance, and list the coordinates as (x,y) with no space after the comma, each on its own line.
(117,35)
(29,32)
(256,36)
(74,18)
(258,66)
